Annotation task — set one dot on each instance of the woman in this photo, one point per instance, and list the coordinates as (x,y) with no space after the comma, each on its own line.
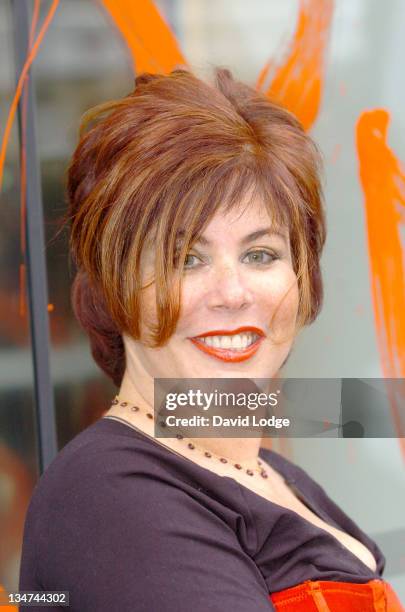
(197,227)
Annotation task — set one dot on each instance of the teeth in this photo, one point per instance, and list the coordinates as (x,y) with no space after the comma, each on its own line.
(234,342)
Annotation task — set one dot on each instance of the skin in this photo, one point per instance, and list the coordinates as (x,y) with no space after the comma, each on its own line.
(226,285)
(224,289)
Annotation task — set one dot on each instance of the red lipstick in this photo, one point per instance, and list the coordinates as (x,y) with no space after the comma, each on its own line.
(230,355)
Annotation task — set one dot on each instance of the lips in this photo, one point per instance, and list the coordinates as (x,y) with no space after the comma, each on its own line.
(230,355)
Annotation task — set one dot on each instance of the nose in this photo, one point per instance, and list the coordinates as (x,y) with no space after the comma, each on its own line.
(230,289)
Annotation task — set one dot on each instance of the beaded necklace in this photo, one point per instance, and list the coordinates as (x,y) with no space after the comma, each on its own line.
(251,471)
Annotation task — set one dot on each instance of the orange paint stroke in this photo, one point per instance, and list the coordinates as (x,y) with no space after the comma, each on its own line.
(298,82)
(4,598)
(152,45)
(23,168)
(14,104)
(383,181)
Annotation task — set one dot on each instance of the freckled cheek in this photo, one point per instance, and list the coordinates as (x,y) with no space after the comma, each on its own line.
(279,292)
(192,300)
(277,295)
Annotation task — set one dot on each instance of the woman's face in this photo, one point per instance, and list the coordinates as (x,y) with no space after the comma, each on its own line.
(234,277)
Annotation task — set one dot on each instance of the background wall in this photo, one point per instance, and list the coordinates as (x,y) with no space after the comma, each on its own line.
(84,61)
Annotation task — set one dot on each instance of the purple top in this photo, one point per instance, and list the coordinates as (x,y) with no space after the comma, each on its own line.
(123,523)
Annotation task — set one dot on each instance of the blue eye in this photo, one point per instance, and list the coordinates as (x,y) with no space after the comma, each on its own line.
(187,257)
(260,256)
(187,265)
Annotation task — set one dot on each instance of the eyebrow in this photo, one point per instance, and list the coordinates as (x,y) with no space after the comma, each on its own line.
(259,233)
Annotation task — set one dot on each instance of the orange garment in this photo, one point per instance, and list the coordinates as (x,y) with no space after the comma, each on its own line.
(329,596)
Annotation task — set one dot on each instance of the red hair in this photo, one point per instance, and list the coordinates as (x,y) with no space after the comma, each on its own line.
(159,163)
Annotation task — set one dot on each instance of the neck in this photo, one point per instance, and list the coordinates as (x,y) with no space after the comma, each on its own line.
(243,450)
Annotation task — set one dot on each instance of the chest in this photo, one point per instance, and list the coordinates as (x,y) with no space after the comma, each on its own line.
(281,494)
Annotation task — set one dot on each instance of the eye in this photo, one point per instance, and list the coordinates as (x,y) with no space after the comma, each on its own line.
(187,264)
(259,256)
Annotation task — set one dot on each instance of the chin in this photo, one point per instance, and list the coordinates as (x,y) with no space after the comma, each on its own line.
(239,371)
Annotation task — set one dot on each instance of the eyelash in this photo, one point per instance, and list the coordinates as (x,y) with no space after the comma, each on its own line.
(274,256)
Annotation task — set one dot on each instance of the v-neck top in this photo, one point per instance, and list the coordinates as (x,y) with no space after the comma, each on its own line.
(122,522)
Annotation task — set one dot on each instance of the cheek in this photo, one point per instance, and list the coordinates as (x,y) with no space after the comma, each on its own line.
(278,288)
(192,302)
(275,294)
